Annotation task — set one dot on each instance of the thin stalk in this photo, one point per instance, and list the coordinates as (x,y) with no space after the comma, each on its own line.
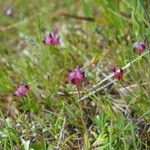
(127,89)
(91,19)
(146,14)
(61,134)
(85,136)
(146,60)
(79,94)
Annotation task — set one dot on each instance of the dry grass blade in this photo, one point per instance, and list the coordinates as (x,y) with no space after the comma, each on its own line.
(123,91)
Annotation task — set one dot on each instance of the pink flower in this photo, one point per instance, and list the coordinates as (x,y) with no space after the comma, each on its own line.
(139,46)
(76,76)
(113,68)
(22,91)
(52,38)
(118,74)
(8,11)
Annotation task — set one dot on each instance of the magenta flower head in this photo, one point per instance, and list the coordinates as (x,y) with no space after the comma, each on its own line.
(76,76)
(51,38)
(118,74)
(22,91)
(113,68)
(139,47)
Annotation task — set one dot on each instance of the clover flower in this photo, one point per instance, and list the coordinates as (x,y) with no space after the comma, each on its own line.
(118,73)
(76,76)
(51,38)
(22,91)
(139,47)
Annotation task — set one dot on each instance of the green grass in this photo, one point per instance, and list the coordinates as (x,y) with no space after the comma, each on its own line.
(49,116)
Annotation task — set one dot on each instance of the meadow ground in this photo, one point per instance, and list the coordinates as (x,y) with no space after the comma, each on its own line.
(61,109)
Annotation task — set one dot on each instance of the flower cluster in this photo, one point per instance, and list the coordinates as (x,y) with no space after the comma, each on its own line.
(118,73)
(76,76)
(8,11)
(51,38)
(139,47)
(22,91)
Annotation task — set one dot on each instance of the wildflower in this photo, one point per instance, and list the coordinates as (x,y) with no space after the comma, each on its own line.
(22,91)
(113,68)
(118,74)
(8,11)
(76,76)
(139,47)
(52,38)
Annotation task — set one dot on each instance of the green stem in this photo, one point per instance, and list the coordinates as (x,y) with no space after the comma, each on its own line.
(85,135)
(127,89)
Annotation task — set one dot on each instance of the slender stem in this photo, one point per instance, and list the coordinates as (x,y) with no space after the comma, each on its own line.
(146,60)
(61,133)
(78,90)
(146,14)
(127,89)
(82,119)
(78,17)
